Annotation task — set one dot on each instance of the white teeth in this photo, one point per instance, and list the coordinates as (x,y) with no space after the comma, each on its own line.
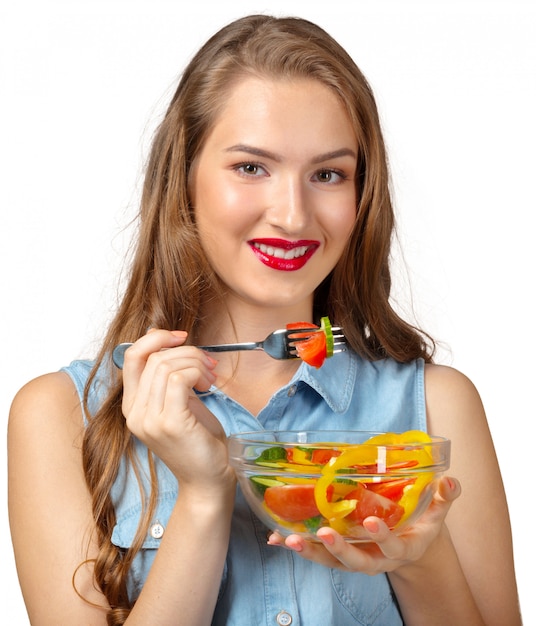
(280,253)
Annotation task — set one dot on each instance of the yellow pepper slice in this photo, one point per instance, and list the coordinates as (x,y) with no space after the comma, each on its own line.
(367,453)
(331,510)
(409,436)
(412,493)
(300,456)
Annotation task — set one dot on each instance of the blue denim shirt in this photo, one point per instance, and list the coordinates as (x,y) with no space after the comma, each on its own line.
(263,585)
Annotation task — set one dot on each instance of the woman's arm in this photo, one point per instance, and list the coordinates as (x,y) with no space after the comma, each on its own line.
(184,581)
(49,504)
(458,571)
(162,410)
(472,561)
(50,507)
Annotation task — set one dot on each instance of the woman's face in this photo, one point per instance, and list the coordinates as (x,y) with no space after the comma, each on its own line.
(273,190)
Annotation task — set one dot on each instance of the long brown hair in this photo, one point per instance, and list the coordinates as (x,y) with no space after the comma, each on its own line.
(169,278)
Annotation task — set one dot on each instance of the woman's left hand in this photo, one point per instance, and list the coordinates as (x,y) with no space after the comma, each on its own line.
(386,551)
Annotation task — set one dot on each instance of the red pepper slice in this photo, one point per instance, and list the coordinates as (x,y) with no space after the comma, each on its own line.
(321,456)
(392,489)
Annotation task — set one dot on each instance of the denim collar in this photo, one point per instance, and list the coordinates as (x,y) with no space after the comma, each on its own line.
(334,380)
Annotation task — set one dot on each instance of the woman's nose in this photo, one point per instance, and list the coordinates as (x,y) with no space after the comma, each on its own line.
(289,207)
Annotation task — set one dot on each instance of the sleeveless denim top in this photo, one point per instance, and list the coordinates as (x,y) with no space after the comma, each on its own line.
(264,585)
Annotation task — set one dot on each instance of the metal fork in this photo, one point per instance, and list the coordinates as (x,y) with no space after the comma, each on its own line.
(280,344)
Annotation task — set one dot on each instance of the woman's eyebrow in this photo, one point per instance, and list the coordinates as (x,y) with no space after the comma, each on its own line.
(335,154)
(260,152)
(242,147)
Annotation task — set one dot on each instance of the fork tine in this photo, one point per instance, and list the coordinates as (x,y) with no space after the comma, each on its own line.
(337,333)
(336,350)
(291,331)
(339,340)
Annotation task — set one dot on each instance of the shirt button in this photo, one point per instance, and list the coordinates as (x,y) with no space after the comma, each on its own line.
(291,392)
(283,618)
(156,530)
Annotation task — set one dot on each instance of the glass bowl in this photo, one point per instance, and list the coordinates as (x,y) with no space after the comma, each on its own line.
(299,481)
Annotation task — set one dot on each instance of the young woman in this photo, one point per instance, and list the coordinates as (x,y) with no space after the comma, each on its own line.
(266,201)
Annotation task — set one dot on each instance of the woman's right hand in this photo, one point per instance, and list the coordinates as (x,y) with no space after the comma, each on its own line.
(161,408)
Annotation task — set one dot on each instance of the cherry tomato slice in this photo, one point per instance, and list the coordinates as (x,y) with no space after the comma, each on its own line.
(317,347)
(370,503)
(313,350)
(292,503)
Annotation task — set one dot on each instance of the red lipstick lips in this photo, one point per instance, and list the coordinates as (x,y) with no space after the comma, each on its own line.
(283,255)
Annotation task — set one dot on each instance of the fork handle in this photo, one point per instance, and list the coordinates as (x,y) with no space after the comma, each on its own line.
(118,354)
(231,347)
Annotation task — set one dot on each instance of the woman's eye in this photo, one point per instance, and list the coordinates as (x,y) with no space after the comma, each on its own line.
(250,169)
(330,176)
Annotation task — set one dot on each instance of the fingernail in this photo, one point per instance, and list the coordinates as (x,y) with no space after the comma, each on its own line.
(371,526)
(273,539)
(329,539)
(297,547)
(451,484)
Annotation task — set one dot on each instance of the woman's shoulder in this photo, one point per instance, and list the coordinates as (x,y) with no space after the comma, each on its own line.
(453,402)
(45,431)
(44,402)
(446,384)
(47,387)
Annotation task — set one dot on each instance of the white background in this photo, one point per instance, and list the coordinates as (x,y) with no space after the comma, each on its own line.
(82,85)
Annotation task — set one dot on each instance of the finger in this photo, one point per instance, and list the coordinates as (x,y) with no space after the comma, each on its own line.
(448,489)
(313,551)
(407,546)
(141,360)
(391,545)
(275,539)
(179,383)
(306,549)
(364,557)
(155,340)
(164,411)
(161,365)
(168,380)
(334,551)
(148,397)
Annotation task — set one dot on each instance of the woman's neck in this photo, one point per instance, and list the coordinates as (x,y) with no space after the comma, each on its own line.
(234,320)
(251,378)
